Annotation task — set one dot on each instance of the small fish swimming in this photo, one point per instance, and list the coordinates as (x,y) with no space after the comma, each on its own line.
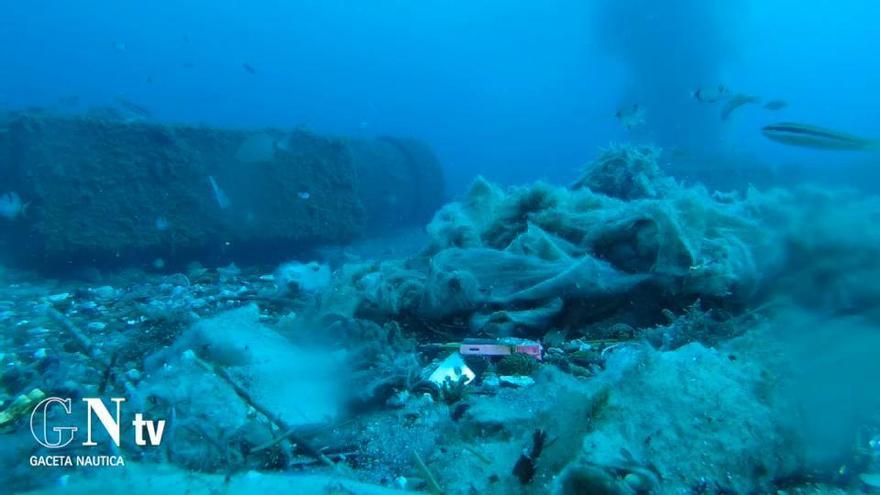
(735,102)
(249,68)
(711,95)
(219,196)
(631,116)
(816,137)
(775,105)
(11,206)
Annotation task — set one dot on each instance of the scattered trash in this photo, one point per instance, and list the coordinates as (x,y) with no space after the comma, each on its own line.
(452,369)
(501,347)
(306,277)
(493,347)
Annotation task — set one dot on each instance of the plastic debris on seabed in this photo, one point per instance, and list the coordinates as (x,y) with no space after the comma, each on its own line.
(452,368)
(501,347)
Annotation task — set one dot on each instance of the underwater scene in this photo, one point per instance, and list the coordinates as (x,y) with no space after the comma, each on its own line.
(335,247)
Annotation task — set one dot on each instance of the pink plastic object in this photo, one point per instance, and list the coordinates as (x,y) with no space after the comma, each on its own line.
(500,347)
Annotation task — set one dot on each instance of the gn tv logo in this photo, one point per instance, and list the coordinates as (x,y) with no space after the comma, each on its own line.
(55,436)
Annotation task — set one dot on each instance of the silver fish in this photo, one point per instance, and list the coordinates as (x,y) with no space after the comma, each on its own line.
(775,105)
(816,137)
(735,102)
(711,95)
(631,116)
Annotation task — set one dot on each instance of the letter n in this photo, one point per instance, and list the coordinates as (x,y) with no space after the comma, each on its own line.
(100,410)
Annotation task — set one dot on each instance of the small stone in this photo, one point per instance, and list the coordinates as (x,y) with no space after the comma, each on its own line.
(635,482)
(104,292)
(96,325)
(40,353)
(133,375)
(491,381)
(57,298)
(400,483)
(516,381)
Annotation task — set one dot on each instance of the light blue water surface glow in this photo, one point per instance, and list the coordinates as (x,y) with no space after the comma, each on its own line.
(515,90)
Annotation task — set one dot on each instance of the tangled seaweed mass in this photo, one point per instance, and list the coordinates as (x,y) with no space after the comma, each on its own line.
(693,342)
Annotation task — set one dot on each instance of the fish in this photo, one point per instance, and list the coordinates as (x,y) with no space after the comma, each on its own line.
(249,68)
(219,196)
(809,136)
(775,105)
(11,206)
(631,116)
(735,102)
(711,95)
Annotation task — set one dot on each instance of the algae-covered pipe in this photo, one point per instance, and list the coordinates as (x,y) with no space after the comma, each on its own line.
(105,191)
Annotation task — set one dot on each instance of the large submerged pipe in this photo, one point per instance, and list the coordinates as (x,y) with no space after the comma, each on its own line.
(103,191)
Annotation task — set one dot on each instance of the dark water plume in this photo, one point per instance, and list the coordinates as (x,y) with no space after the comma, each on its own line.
(670,48)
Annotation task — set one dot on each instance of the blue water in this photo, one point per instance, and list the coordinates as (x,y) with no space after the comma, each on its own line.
(282,252)
(495,87)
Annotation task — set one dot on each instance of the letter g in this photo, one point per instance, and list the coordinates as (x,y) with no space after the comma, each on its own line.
(42,437)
